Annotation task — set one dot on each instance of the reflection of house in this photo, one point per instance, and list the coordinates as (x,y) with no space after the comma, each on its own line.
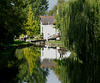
(48,63)
(49,54)
(47,24)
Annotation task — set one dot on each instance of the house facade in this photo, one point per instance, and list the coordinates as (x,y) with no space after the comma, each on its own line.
(47,24)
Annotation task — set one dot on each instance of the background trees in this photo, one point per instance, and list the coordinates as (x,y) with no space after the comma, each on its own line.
(52,12)
(31,26)
(38,7)
(79,23)
(13,16)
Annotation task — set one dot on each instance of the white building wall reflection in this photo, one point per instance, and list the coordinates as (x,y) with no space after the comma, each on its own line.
(54,53)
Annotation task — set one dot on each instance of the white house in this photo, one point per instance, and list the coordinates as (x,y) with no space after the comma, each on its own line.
(47,24)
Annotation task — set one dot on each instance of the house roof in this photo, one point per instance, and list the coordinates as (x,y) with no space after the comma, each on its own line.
(47,20)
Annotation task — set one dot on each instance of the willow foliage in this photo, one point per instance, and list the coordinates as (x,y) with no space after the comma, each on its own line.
(79,22)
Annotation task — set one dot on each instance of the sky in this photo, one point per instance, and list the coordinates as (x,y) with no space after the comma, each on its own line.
(52,3)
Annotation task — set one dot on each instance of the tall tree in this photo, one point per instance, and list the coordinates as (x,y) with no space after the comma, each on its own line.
(32,26)
(79,23)
(61,1)
(52,12)
(13,16)
(38,7)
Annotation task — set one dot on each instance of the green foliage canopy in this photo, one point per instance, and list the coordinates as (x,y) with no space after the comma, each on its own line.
(38,7)
(52,12)
(13,16)
(79,23)
(31,26)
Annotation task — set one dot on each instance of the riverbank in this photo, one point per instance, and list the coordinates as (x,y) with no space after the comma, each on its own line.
(54,43)
(6,49)
(16,43)
(19,43)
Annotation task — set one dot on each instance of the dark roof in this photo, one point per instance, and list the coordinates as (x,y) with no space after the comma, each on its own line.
(47,20)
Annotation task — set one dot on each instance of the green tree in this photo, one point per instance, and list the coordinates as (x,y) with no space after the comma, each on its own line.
(61,1)
(79,23)
(31,25)
(12,17)
(38,7)
(52,12)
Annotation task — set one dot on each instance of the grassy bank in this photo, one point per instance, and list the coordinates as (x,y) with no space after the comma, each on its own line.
(19,43)
(55,43)
(7,48)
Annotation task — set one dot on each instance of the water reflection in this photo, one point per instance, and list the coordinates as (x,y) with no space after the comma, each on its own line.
(38,65)
(29,68)
(8,67)
(52,77)
(48,54)
(73,71)
(47,65)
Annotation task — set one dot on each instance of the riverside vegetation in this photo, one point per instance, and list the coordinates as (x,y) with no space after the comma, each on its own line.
(79,23)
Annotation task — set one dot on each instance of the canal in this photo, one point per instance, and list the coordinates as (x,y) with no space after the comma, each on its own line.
(47,65)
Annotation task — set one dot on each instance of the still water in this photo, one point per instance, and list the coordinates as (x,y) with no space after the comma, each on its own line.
(41,63)
(47,65)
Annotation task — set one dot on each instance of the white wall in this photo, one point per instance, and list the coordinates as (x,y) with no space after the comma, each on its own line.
(48,31)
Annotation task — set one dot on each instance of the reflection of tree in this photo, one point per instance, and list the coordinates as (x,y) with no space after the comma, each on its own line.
(30,70)
(19,53)
(8,67)
(31,57)
(73,71)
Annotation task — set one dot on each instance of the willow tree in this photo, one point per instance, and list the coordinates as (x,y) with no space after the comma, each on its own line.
(79,22)
(32,26)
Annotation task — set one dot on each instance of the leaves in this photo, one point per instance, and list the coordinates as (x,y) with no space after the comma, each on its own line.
(78,21)
(14,14)
(31,25)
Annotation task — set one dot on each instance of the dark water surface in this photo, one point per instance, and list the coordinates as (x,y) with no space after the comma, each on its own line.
(47,65)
